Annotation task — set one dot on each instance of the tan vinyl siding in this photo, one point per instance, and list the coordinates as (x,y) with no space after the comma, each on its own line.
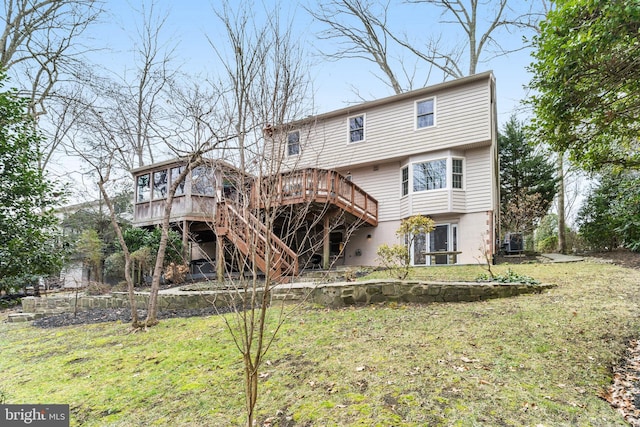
(430,202)
(478,180)
(458,202)
(383,184)
(462,117)
(405,207)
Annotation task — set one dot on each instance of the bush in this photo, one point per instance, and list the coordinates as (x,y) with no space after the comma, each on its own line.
(548,244)
(610,216)
(396,257)
(97,288)
(509,276)
(114,267)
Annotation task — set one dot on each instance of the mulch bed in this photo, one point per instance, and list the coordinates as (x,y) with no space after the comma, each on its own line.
(116,314)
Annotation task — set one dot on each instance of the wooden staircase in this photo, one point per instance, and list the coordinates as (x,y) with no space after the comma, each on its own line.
(315,186)
(253,239)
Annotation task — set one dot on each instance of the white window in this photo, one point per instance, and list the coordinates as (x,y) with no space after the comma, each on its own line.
(144,188)
(430,175)
(405,180)
(356,128)
(203,181)
(456,173)
(293,143)
(425,113)
(175,173)
(160,184)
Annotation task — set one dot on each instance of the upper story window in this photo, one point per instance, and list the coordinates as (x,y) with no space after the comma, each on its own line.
(356,128)
(293,143)
(143,187)
(405,180)
(456,173)
(175,173)
(160,180)
(425,113)
(430,175)
(203,181)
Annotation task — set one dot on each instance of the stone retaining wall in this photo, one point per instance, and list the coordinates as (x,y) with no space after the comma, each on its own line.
(330,295)
(371,292)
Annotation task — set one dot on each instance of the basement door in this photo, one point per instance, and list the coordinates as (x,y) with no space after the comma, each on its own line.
(439,241)
(443,238)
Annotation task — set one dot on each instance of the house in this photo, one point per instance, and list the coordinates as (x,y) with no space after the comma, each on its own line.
(431,151)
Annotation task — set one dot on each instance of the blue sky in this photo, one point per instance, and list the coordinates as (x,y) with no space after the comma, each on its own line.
(191,21)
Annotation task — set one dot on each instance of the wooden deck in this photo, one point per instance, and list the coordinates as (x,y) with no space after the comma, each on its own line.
(316,186)
(217,209)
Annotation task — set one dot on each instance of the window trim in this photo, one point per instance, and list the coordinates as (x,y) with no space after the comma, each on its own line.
(146,199)
(446,175)
(453,244)
(288,153)
(462,173)
(415,113)
(404,183)
(364,126)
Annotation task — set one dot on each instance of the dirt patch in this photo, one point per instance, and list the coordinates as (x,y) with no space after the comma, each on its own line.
(621,257)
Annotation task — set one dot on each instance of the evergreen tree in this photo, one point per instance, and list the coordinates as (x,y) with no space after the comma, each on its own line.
(28,226)
(527,179)
(610,215)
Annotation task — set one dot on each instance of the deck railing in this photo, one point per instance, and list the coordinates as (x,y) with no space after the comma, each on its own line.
(318,186)
(247,232)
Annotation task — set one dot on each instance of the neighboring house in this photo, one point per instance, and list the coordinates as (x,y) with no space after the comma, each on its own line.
(76,218)
(431,151)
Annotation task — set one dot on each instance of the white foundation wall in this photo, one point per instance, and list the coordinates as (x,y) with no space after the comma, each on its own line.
(474,231)
(366,247)
(474,235)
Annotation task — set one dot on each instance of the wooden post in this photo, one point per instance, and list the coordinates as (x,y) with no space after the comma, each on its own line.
(219,259)
(325,243)
(186,253)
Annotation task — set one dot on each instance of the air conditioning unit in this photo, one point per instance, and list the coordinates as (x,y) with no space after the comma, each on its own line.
(513,243)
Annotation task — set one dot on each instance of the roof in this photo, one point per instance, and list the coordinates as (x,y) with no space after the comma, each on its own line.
(180,161)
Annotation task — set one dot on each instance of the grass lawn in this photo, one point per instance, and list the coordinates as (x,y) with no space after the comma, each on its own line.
(531,360)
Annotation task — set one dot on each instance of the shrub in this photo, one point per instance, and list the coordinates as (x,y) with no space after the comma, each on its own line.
(97,288)
(396,257)
(548,244)
(509,276)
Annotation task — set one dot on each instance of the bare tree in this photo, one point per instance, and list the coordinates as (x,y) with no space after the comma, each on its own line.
(40,48)
(524,211)
(116,125)
(466,15)
(365,33)
(39,42)
(265,228)
(360,29)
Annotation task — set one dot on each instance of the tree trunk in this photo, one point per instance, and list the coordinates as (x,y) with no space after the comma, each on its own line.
(125,250)
(251,384)
(562,243)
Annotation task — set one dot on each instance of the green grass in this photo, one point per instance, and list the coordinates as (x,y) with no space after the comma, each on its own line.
(534,359)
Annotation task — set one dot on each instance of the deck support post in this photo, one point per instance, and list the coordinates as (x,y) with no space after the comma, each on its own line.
(219,258)
(325,244)
(186,253)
